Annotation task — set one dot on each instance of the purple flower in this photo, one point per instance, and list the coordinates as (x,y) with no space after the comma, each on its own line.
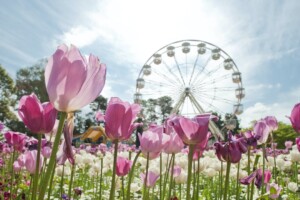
(231,151)
(257,175)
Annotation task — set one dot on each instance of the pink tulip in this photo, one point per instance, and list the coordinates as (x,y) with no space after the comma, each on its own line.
(46,152)
(176,171)
(17,167)
(123,166)
(99,116)
(119,119)
(262,130)
(151,178)
(298,143)
(174,144)
(192,131)
(295,118)
(152,142)
(71,82)
(288,144)
(16,140)
(39,118)
(30,161)
(271,121)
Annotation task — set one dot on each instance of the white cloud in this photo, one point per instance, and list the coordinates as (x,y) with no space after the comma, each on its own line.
(280,109)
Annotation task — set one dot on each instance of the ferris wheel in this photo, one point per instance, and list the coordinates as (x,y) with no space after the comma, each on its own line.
(199,77)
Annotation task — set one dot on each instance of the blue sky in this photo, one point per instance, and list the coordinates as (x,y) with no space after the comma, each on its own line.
(262,37)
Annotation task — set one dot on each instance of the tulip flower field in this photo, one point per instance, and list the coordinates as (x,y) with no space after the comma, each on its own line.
(178,159)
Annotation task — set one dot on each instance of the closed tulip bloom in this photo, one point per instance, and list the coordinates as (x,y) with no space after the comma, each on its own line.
(152,143)
(37,117)
(46,151)
(71,81)
(295,118)
(192,131)
(151,179)
(123,166)
(16,140)
(288,144)
(271,122)
(30,161)
(232,150)
(262,130)
(119,119)
(174,144)
(17,167)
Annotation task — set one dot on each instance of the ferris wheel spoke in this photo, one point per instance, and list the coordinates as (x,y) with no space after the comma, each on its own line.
(208,74)
(160,84)
(171,72)
(210,105)
(224,89)
(217,98)
(166,78)
(214,80)
(193,71)
(201,70)
(179,71)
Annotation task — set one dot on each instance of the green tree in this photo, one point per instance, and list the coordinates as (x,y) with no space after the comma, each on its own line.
(7,99)
(31,80)
(156,110)
(100,103)
(284,133)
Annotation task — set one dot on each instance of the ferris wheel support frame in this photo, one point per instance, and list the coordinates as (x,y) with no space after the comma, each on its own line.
(187,94)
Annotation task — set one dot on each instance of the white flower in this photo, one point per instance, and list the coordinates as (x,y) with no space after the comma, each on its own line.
(292,186)
(210,172)
(295,155)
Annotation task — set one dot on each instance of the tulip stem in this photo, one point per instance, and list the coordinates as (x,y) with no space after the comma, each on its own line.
(146,177)
(37,167)
(227,180)
(101,174)
(171,180)
(62,181)
(50,186)
(166,176)
(238,182)
(130,175)
(113,182)
(263,170)
(190,162)
(12,173)
(71,181)
(248,171)
(52,161)
(160,175)
(274,154)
